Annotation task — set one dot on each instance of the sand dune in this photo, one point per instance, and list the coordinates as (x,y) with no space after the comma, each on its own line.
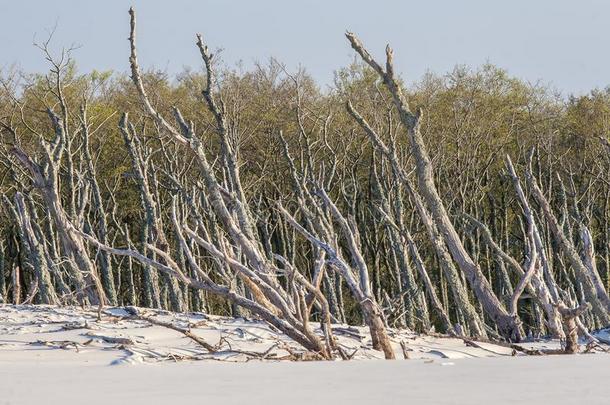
(65,355)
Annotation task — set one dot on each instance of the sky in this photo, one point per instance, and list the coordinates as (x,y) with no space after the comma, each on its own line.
(561,43)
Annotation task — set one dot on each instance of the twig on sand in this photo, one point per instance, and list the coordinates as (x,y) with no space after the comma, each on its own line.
(537,352)
(120,340)
(299,356)
(62,344)
(352,332)
(135,314)
(75,325)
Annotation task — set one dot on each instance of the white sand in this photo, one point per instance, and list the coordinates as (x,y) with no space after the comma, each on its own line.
(442,371)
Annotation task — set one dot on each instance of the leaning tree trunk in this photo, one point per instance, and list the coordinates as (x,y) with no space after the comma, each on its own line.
(508,324)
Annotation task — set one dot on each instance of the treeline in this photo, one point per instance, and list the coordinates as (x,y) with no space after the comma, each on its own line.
(473,203)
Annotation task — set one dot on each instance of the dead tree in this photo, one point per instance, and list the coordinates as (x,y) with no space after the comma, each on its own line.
(320,212)
(460,295)
(38,255)
(153,230)
(97,202)
(357,278)
(415,301)
(45,177)
(508,324)
(593,289)
(270,300)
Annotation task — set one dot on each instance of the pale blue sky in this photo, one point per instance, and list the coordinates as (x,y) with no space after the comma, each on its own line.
(565,43)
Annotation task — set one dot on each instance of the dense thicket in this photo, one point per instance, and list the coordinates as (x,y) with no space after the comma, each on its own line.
(472,202)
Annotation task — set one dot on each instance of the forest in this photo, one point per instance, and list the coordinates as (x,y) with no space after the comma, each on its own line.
(470,204)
